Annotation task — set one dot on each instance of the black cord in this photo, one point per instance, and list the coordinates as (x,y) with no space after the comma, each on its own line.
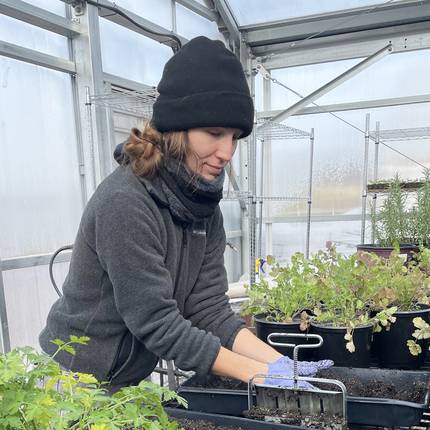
(51,263)
(124,15)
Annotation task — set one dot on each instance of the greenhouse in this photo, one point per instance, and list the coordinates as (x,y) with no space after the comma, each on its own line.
(113,222)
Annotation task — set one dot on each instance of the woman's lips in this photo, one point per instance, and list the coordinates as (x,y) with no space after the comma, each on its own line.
(214,169)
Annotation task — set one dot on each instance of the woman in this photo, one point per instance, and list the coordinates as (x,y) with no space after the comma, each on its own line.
(147,279)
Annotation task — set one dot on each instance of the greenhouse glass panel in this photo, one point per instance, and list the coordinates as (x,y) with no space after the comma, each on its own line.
(232,215)
(31,37)
(40,193)
(158,12)
(189,25)
(29,295)
(249,12)
(396,75)
(131,55)
(289,238)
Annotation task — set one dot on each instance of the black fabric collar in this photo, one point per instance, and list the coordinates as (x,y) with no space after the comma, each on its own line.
(191,196)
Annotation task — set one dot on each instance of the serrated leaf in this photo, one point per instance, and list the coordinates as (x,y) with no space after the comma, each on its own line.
(57,342)
(414,348)
(69,348)
(350,346)
(419,323)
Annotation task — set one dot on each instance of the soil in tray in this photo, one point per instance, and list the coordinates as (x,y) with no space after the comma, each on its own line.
(187,424)
(354,388)
(305,420)
(376,388)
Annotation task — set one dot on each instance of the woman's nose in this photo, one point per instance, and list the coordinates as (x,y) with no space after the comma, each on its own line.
(226,148)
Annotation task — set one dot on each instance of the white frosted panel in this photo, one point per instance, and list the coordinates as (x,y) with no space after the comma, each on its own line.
(339,158)
(232,215)
(31,37)
(40,196)
(57,7)
(291,238)
(29,295)
(258,11)
(191,25)
(397,75)
(131,55)
(159,11)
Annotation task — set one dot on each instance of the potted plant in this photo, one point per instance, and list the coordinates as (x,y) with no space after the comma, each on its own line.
(407,288)
(28,399)
(283,303)
(402,218)
(346,291)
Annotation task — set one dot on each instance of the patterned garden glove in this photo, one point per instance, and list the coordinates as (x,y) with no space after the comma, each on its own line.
(284,366)
(304,368)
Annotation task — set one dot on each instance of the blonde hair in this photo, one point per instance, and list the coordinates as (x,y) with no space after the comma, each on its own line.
(145,151)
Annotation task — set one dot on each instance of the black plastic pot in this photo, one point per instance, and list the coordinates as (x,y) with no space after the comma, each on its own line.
(393,352)
(334,346)
(405,248)
(263,328)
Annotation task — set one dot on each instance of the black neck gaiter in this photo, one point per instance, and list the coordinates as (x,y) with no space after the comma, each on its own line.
(191,196)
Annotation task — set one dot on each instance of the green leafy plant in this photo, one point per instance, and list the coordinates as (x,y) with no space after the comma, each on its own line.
(422,332)
(287,296)
(406,284)
(420,214)
(347,287)
(391,222)
(29,401)
(402,216)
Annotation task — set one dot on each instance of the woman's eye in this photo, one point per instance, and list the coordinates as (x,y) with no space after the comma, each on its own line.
(214,133)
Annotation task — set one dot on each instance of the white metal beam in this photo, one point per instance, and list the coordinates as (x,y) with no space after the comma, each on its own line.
(339,107)
(199,9)
(332,84)
(403,38)
(39,17)
(320,26)
(35,57)
(229,21)
(127,84)
(116,14)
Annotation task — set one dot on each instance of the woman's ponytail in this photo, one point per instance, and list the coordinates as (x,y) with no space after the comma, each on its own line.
(143,151)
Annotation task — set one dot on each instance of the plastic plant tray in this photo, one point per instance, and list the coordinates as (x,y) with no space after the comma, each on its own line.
(360,410)
(227,421)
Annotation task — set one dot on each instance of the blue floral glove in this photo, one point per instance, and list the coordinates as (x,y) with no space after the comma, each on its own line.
(284,366)
(304,368)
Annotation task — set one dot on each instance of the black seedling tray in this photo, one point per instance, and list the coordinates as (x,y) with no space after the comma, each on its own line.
(360,410)
(227,421)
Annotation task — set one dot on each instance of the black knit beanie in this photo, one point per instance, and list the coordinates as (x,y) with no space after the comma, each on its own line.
(203,85)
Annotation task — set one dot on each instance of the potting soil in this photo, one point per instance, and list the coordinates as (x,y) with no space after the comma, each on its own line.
(354,388)
(376,389)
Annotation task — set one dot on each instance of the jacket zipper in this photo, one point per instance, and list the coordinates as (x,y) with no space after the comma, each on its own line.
(112,369)
(181,257)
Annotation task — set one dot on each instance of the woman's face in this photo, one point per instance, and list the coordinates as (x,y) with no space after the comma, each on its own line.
(211,148)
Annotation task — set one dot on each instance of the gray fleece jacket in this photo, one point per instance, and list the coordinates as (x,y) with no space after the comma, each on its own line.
(142,285)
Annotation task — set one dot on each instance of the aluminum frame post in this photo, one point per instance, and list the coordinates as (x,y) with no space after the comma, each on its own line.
(364,191)
(86,52)
(311,162)
(375,173)
(4,328)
